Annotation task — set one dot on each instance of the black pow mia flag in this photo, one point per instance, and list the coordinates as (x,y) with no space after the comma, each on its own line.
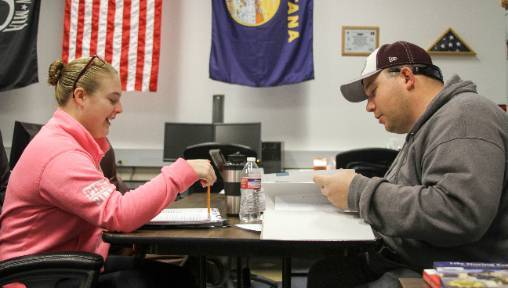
(19,20)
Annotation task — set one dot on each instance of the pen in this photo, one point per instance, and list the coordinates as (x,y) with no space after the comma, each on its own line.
(208,199)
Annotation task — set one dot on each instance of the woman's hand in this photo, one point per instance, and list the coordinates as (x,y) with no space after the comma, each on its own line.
(204,170)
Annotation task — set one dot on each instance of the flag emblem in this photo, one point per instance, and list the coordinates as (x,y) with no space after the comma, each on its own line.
(19,22)
(6,13)
(252,12)
(262,43)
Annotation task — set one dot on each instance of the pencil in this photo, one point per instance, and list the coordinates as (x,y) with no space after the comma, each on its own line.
(208,199)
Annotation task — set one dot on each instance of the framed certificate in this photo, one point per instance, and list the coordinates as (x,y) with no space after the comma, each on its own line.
(359,40)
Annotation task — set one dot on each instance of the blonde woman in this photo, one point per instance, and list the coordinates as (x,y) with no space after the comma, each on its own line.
(58,199)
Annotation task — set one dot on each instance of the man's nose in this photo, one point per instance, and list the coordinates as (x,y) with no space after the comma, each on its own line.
(370,105)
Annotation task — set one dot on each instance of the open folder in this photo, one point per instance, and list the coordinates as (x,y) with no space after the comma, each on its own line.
(197,217)
(296,210)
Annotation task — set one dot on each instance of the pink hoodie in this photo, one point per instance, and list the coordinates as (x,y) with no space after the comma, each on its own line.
(59,200)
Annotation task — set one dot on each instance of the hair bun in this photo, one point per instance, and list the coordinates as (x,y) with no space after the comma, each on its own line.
(55,72)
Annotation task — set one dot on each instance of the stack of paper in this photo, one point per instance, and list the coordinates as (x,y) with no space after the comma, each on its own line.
(314,226)
(187,216)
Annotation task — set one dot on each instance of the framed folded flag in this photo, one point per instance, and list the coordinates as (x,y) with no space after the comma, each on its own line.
(450,43)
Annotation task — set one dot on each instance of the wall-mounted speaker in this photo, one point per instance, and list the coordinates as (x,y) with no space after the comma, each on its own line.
(272,157)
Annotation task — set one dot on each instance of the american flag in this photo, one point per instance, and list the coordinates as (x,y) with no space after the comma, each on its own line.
(125,33)
(450,42)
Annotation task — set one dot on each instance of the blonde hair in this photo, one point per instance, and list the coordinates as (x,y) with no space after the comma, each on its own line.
(63,76)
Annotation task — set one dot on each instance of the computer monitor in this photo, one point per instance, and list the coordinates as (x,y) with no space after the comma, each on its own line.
(248,134)
(177,136)
(22,135)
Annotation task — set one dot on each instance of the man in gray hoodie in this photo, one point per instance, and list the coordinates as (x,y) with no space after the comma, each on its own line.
(445,197)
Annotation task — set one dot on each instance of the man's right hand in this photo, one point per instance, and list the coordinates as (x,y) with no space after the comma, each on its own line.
(336,187)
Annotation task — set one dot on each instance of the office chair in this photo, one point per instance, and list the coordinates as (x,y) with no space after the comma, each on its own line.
(22,134)
(79,269)
(4,171)
(109,169)
(201,151)
(370,162)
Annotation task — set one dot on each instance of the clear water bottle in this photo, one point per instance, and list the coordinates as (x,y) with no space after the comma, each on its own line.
(252,199)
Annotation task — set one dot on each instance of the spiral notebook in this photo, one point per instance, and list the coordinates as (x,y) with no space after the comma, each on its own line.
(187,217)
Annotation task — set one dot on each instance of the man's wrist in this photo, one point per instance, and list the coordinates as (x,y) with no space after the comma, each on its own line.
(355,191)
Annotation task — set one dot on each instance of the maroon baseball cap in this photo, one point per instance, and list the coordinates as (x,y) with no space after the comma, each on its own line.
(386,56)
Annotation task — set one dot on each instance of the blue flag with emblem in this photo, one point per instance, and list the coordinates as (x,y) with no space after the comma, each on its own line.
(262,43)
(18,43)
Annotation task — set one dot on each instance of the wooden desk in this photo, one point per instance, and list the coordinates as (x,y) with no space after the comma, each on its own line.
(229,241)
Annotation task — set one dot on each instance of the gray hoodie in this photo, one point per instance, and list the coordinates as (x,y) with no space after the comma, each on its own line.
(445,197)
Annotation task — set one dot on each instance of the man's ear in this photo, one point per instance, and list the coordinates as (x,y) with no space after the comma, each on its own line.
(409,77)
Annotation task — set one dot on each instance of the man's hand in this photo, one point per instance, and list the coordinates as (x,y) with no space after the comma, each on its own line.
(336,187)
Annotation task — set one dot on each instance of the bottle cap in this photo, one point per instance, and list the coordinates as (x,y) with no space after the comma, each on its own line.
(249,159)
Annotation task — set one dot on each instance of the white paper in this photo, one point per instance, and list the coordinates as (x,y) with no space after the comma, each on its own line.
(297,191)
(184,216)
(296,176)
(250,227)
(303,202)
(296,210)
(314,226)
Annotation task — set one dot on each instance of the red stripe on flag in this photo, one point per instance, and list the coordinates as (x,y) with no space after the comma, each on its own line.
(124,56)
(81,28)
(67,28)
(156,45)
(141,45)
(108,54)
(95,26)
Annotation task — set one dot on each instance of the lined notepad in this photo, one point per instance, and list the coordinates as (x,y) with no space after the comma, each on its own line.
(187,216)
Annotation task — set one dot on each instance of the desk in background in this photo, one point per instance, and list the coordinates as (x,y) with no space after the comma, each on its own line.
(229,241)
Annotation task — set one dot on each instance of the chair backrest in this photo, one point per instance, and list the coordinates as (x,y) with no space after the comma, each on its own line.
(109,169)
(61,269)
(201,151)
(370,162)
(4,171)
(22,135)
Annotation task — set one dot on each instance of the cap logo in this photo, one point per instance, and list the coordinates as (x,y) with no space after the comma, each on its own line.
(392,59)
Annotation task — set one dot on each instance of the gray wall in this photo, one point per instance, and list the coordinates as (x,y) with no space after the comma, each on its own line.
(311,118)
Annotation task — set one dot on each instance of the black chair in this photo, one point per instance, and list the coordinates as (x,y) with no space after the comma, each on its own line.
(201,151)
(65,269)
(370,162)
(109,169)
(4,171)
(22,134)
